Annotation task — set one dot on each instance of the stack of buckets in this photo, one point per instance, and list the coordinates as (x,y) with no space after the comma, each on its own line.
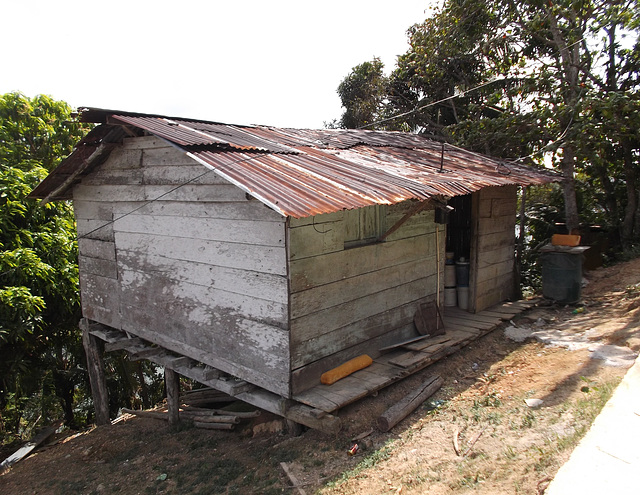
(456,282)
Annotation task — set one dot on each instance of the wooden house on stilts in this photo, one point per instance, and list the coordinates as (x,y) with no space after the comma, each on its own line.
(253,259)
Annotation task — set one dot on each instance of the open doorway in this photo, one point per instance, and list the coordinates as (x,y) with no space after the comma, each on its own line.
(459,228)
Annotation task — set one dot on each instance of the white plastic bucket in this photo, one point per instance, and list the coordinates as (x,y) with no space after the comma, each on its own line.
(450,276)
(450,296)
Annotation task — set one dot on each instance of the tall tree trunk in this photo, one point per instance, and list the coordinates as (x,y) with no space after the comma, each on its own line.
(572,218)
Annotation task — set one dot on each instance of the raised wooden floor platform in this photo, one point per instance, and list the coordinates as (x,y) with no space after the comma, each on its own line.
(461,328)
(313,407)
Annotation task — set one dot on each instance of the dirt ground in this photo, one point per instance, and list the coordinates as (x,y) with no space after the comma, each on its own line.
(504,445)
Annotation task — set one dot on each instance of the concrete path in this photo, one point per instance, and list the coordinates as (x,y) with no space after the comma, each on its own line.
(607,460)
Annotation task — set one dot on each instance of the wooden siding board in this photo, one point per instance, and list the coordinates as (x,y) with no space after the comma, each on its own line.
(121,159)
(94,248)
(239,210)
(242,256)
(313,272)
(101,230)
(100,299)
(218,349)
(211,229)
(159,290)
(362,330)
(313,240)
(263,286)
(187,192)
(97,266)
(312,326)
(340,292)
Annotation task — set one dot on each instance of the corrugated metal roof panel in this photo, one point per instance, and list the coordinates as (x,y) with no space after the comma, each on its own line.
(304,172)
(195,133)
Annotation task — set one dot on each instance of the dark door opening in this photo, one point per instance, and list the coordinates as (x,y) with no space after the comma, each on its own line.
(459,228)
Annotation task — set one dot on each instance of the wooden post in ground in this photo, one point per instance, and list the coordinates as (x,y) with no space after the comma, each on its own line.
(93,348)
(172,384)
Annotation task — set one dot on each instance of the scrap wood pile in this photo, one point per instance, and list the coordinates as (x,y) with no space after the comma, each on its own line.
(201,417)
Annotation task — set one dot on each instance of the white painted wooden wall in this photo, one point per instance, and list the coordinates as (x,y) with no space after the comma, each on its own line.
(199,269)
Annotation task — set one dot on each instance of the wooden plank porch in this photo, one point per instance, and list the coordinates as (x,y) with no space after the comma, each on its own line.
(461,329)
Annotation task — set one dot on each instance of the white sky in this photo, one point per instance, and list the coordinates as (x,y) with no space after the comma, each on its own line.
(272,62)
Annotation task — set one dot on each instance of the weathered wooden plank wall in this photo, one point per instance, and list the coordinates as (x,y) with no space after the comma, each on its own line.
(185,260)
(493,246)
(345,302)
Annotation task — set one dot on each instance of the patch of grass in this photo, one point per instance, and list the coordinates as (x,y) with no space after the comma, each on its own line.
(585,410)
(528,420)
(368,462)
(510,453)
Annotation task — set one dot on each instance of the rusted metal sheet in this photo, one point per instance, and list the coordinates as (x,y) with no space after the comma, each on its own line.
(305,172)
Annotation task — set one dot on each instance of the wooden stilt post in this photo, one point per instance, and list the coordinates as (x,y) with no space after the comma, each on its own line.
(172,384)
(93,348)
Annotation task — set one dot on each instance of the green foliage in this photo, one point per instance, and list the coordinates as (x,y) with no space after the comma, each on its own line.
(545,83)
(362,93)
(40,349)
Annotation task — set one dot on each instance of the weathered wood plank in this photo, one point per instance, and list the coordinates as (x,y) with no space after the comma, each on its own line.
(340,292)
(93,349)
(409,403)
(474,317)
(96,266)
(213,229)
(95,248)
(113,177)
(359,332)
(314,240)
(121,158)
(242,256)
(100,299)
(315,325)
(312,272)
(92,210)
(188,192)
(472,324)
(237,210)
(101,230)
(176,174)
(419,224)
(317,220)
(263,286)
(249,350)
(206,304)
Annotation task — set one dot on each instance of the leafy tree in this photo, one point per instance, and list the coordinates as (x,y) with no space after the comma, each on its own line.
(40,348)
(362,93)
(534,79)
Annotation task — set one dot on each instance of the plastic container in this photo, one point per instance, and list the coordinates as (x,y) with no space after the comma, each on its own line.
(449,275)
(561,276)
(462,272)
(449,258)
(565,240)
(450,298)
(463,297)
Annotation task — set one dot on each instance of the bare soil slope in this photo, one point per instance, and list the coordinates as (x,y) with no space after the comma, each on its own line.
(504,446)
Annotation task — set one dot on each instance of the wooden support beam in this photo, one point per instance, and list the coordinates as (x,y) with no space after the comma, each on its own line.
(93,348)
(101,153)
(413,211)
(123,344)
(408,404)
(172,384)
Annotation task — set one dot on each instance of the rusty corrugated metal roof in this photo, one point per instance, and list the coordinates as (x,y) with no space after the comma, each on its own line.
(304,172)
